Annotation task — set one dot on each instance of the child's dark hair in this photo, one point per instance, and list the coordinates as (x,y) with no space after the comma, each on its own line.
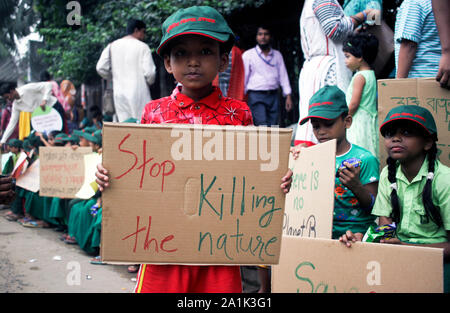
(96,112)
(45,76)
(431,210)
(53,133)
(6,88)
(362,45)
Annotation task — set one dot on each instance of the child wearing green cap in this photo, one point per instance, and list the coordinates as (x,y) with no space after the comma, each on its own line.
(195,46)
(414,190)
(15,145)
(355,186)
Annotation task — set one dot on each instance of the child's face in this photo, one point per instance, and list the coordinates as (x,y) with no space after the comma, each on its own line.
(352,62)
(404,143)
(326,130)
(14,150)
(94,146)
(195,62)
(84,142)
(51,140)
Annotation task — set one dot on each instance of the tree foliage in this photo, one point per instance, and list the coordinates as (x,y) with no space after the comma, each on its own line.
(16,19)
(73,51)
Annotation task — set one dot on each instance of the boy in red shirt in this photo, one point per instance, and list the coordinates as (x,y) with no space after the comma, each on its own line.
(195,46)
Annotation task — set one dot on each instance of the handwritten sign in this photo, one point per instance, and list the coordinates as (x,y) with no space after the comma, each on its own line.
(424,92)
(45,121)
(310,202)
(199,194)
(310,265)
(61,171)
(89,187)
(29,180)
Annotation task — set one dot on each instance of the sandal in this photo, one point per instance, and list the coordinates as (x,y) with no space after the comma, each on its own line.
(133,268)
(70,240)
(97,260)
(42,224)
(24,220)
(12,217)
(30,224)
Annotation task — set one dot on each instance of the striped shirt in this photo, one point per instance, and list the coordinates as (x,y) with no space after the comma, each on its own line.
(415,22)
(330,14)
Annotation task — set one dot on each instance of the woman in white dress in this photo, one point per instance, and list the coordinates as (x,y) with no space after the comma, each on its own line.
(323,28)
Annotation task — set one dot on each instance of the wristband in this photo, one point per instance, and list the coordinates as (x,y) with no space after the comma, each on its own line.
(365,15)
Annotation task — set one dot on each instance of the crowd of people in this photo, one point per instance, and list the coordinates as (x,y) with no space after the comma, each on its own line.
(78,220)
(338,100)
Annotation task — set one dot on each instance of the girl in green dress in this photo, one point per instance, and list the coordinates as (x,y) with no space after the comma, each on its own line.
(360,51)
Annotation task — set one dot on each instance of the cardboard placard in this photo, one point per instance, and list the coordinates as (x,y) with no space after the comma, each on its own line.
(30,179)
(89,187)
(61,171)
(425,92)
(323,265)
(193,194)
(310,202)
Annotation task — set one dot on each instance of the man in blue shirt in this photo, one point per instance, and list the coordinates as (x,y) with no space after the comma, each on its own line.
(416,39)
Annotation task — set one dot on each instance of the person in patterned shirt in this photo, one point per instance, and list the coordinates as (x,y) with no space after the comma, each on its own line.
(195,46)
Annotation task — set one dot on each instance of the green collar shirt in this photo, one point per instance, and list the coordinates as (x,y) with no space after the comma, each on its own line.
(415,226)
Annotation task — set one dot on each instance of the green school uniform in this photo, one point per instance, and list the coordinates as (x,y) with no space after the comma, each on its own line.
(364,129)
(96,229)
(415,227)
(10,164)
(80,221)
(348,215)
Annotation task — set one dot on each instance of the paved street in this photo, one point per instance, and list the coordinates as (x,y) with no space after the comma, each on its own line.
(35,260)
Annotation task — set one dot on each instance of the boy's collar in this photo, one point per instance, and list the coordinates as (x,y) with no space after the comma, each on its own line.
(183,101)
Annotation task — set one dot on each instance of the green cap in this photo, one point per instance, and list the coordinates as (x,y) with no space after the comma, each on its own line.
(87,129)
(95,137)
(73,138)
(413,113)
(131,120)
(26,145)
(327,103)
(16,143)
(196,20)
(61,138)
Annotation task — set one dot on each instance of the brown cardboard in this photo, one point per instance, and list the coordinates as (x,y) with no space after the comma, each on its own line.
(323,265)
(30,179)
(310,202)
(205,194)
(425,92)
(61,172)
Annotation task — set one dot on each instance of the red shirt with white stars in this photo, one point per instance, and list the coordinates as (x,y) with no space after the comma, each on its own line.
(178,108)
(214,109)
